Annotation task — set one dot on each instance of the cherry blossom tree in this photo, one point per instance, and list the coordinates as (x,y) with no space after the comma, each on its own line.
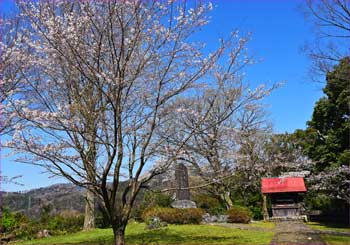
(99,79)
(335,182)
(215,117)
(11,180)
(11,61)
(264,154)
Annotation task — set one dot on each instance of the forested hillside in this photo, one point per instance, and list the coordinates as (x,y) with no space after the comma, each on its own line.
(58,198)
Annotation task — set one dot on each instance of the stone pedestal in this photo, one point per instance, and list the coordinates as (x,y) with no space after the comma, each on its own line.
(183,204)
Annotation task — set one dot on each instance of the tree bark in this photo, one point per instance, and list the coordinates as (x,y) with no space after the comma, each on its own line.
(226,198)
(265,213)
(89,220)
(119,235)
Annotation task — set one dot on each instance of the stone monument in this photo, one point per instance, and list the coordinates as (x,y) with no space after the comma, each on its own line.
(183,196)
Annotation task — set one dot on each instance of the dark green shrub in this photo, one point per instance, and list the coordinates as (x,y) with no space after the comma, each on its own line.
(157,199)
(174,215)
(209,204)
(150,199)
(56,225)
(62,225)
(102,221)
(18,225)
(101,218)
(45,213)
(238,214)
(28,230)
(317,201)
(21,227)
(257,213)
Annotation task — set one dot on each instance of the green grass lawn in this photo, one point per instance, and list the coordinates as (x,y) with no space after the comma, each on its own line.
(262,224)
(173,234)
(336,239)
(327,227)
(331,239)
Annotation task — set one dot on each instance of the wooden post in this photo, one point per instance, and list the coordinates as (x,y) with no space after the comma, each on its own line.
(265,213)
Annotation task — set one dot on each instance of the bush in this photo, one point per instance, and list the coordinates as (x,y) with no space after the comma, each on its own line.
(8,221)
(150,199)
(62,225)
(102,221)
(28,230)
(21,227)
(257,212)
(210,204)
(56,225)
(18,225)
(174,215)
(157,199)
(238,214)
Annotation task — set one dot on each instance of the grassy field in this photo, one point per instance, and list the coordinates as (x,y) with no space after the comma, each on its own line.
(331,239)
(327,227)
(261,224)
(336,239)
(173,234)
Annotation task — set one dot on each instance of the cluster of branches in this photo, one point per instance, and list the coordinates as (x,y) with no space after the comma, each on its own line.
(109,92)
(331,26)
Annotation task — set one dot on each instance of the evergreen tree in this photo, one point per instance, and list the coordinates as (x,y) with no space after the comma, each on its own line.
(326,138)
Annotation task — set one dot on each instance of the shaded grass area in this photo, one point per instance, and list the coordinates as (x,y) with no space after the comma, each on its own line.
(332,239)
(173,234)
(336,239)
(328,227)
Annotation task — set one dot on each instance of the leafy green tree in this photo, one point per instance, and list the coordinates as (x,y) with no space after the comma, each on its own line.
(326,139)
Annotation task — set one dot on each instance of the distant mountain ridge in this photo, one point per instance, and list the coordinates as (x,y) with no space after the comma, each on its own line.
(61,197)
(65,197)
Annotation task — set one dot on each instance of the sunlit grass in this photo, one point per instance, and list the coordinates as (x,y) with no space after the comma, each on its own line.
(173,234)
(262,224)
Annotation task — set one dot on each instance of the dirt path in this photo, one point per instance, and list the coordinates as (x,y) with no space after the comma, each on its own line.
(295,232)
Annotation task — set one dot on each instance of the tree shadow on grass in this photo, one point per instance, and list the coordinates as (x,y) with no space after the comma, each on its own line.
(334,225)
(165,236)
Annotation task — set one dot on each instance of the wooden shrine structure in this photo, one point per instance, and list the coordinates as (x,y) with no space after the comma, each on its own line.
(285,196)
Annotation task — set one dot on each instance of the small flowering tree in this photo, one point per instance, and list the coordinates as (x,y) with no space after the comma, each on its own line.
(99,79)
(335,182)
(264,154)
(215,117)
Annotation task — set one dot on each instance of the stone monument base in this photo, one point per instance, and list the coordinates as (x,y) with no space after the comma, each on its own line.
(183,204)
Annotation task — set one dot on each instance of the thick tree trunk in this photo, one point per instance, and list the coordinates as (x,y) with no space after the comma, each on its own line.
(226,198)
(119,235)
(89,220)
(265,213)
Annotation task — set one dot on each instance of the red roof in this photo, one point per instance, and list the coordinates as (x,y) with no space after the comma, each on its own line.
(275,185)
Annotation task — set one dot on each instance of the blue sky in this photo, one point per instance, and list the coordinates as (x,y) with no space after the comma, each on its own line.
(278,32)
